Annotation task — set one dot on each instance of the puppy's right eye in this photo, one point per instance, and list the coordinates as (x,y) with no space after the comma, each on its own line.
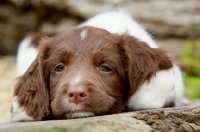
(105,68)
(59,68)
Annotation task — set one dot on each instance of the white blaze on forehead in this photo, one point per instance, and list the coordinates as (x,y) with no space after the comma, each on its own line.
(83,33)
(76,79)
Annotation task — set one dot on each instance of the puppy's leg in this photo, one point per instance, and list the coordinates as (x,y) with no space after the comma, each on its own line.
(179,89)
(163,90)
(18,114)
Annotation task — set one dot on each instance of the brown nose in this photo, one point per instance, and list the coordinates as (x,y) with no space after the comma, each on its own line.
(77,94)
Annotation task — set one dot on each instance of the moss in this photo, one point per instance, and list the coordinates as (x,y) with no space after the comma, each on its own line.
(190,62)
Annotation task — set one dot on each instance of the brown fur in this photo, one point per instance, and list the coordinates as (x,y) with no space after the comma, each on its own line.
(41,89)
(36,38)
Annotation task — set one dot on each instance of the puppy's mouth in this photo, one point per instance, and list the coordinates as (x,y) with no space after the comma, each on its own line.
(78,114)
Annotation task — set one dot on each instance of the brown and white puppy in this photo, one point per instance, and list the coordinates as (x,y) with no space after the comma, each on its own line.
(107,63)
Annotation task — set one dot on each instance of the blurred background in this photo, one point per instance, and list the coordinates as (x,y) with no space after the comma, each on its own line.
(175,24)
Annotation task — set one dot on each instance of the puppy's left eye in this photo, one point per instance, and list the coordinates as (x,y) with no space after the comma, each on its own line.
(59,68)
(106,68)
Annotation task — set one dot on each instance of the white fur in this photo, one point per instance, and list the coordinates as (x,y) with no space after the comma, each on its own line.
(75,110)
(79,115)
(76,80)
(18,114)
(120,22)
(67,105)
(83,34)
(26,55)
(158,92)
(163,89)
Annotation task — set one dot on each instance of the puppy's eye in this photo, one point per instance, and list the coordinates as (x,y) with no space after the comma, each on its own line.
(59,68)
(105,68)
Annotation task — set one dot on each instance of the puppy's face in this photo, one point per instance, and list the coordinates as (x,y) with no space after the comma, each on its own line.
(86,72)
(86,75)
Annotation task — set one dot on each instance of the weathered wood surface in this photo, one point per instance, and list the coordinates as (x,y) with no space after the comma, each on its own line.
(184,119)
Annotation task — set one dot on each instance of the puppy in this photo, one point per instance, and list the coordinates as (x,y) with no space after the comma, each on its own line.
(105,65)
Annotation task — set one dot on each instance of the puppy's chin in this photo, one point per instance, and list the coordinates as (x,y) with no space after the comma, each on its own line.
(78,114)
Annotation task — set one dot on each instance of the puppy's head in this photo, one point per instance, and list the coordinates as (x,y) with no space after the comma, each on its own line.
(85,72)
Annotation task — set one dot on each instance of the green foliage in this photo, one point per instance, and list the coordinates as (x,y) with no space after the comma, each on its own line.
(190,62)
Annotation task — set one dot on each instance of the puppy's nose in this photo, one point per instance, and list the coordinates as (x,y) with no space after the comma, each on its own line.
(77,94)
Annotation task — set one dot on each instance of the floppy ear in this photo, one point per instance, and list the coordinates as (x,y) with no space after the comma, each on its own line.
(32,92)
(142,62)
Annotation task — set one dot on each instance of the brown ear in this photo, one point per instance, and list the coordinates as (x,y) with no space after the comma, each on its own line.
(142,62)
(32,93)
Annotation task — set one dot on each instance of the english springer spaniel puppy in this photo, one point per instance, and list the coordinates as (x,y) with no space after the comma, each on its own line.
(107,65)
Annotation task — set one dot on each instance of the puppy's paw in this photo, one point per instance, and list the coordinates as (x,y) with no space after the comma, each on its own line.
(18,114)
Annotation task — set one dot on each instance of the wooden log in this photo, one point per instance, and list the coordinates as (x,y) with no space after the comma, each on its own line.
(167,119)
